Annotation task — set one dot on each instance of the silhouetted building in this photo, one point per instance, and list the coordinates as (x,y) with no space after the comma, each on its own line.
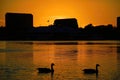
(118,22)
(70,23)
(18,21)
(18,26)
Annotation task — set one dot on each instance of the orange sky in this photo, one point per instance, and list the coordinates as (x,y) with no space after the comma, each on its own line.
(97,12)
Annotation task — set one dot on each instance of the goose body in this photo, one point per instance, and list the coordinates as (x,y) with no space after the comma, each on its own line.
(46,70)
(91,71)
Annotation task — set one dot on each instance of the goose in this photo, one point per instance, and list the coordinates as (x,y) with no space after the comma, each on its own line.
(46,70)
(91,71)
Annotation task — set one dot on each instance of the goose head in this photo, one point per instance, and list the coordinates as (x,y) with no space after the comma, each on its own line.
(97,65)
(52,64)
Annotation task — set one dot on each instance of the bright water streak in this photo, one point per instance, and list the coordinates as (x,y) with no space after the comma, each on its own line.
(19,59)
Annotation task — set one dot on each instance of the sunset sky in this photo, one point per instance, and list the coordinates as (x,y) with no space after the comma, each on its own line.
(97,12)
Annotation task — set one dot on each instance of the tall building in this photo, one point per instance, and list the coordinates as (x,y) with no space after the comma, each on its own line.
(19,21)
(70,23)
(118,22)
(18,26)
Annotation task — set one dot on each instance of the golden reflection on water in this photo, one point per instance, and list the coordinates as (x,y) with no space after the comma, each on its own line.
(2,54)
(69,59)
(43,53)
(105,55)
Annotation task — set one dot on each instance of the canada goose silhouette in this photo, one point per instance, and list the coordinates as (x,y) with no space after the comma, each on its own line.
(46,70)
(91,71)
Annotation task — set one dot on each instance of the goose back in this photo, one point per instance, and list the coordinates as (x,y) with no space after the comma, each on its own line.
(90,71)
(44,70)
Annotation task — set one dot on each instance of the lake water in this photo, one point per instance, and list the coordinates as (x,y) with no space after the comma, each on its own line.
(19,60)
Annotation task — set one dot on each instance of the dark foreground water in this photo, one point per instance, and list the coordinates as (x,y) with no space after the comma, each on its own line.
(19,59)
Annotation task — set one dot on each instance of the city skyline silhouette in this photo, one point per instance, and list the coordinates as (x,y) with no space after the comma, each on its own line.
(19,26)
(46,11)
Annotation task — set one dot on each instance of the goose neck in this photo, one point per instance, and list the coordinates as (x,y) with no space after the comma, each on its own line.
(52,68)
(97,68)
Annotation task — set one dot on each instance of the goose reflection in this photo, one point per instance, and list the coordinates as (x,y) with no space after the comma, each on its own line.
(47,70)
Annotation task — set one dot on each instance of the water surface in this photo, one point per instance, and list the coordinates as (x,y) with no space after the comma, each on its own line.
(19,59)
